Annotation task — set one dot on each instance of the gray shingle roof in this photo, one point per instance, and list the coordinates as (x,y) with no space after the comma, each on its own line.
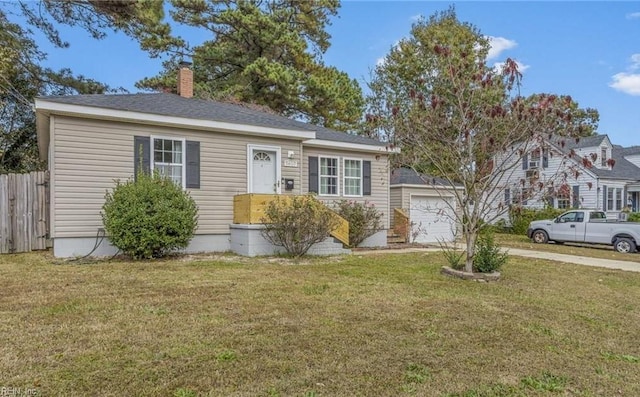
(586,141)
(177,106)
(628,151)
(408,176)
(622,169)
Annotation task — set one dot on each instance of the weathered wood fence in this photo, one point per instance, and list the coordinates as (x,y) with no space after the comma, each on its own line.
(24,212)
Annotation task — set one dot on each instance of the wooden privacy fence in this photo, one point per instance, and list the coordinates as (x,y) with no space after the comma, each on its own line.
(24,212)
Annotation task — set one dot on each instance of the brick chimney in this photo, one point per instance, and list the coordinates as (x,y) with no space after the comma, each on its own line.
(185,80)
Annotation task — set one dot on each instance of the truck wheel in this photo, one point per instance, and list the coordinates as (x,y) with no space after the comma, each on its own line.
(624,245)
(540,237)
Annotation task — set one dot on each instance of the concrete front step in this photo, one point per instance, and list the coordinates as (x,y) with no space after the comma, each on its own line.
(330,246)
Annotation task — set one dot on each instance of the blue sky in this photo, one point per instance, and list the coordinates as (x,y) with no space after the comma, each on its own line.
(589,50)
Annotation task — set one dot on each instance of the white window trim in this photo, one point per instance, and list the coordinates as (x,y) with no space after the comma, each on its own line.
(337,176)
(565,201)
(152,156)
(603,160)
(250,149)
(344,177)
(613,191)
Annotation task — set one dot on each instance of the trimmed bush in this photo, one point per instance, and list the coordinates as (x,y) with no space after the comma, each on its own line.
(634,217)
(364,220)
(521,217)
(297,222)
(489,257)
(149,217)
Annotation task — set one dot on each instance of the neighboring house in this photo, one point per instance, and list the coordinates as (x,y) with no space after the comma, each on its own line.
(428,202)
(213,150)
(610,183)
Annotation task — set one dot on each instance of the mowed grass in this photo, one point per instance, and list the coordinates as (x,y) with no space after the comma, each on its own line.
(593,251)
(381,325)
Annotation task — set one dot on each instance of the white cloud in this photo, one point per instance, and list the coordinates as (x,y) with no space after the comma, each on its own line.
(628,83)
(499,45)
(521,67)
(380,61)
(633,15)
(416,18)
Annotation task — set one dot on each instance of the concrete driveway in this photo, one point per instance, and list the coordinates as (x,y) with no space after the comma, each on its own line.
(578,260)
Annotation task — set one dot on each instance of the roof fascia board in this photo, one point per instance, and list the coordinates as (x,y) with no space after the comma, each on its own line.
(445,188)
(150,118)
(349,146)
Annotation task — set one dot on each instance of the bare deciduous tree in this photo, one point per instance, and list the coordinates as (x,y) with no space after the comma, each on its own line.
(458,119)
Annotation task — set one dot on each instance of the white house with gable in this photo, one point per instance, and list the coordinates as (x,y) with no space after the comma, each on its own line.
(589,173)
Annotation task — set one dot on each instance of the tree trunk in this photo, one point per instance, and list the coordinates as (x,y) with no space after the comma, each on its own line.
(471,238)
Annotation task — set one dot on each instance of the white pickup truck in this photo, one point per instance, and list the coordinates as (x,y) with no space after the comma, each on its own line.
(586,226)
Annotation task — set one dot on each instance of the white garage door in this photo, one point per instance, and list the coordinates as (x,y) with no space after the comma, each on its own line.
(431,219)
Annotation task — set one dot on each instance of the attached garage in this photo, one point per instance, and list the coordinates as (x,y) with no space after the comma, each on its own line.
(428,205)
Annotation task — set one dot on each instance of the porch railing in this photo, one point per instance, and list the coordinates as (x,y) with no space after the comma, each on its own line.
(401,223)
(250,209)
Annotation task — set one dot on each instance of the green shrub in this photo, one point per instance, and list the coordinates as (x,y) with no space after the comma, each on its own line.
(364,219)
(634,217)
(488,257)
(149,217)
(521,217)
(297,222)
(500,227)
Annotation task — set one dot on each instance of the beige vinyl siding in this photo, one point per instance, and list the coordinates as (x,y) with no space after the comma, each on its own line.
(90,154)
(379,177)
(395,201)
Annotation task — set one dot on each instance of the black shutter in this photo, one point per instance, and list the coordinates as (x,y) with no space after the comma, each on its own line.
(525,162)
(141,155)
(193,165)
(604,197)
(507,196)
(545,158)
(576,196)
(366,178)
(313,175)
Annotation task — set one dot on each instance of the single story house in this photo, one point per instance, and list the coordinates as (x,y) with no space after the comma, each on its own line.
(428,204)
(214,150)
(599,175)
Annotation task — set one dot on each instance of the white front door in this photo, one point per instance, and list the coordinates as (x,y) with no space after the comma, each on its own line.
(264,171)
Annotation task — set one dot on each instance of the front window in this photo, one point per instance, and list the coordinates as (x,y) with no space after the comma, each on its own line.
(352,177)
(328,176)
(168,158)
(535,158)
(614,199)
(563,201)
(603,157)
(563,195)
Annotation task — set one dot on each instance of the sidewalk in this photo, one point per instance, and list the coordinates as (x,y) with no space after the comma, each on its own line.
(578,260)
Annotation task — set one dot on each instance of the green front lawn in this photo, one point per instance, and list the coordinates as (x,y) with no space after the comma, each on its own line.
(594,251)
(381,325)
